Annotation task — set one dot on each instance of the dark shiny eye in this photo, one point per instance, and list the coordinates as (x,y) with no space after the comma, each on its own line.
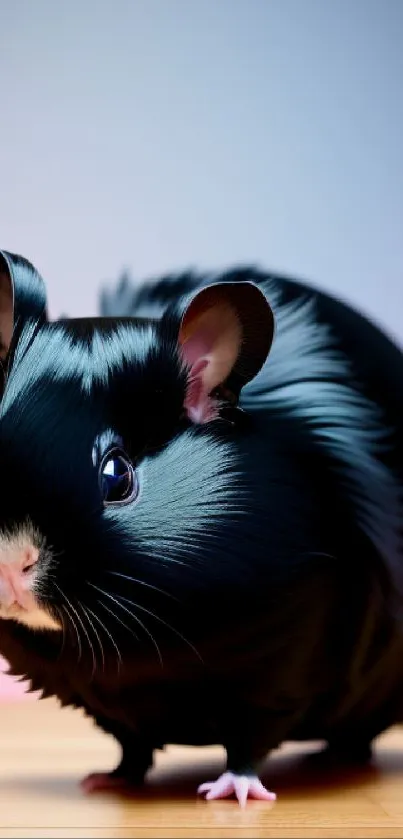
(118,479)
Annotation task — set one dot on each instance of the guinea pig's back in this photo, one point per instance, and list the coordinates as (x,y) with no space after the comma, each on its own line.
(376,358)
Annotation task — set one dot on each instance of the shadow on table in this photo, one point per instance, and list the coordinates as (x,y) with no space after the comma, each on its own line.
(290,774)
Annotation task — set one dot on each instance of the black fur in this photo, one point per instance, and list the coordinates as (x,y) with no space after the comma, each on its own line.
(264,554)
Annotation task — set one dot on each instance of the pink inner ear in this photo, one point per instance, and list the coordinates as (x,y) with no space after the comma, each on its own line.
(199,405)
(194,350)
(210,345)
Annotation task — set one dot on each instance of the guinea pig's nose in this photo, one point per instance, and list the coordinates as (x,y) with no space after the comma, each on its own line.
(15,577)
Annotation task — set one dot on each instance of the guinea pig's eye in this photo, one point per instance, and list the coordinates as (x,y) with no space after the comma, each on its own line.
(118,479)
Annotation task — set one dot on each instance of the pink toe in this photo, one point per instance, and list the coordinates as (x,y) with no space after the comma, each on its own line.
(259,792)
(204,788)
(91,782)
(241,789)
(98,781)
(221,789)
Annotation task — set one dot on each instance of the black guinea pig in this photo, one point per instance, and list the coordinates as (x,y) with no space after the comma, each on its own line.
(201,517)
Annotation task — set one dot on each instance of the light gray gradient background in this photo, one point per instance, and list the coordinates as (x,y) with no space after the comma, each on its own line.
(161,134)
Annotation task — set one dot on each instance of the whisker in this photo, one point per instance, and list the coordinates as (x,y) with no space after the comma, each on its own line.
(142,583)
(168,625)
(71,618)
(157,618)
(86,610)
(51,553)
(94,661)
(129,628)
(135,617)
(67,610)
(48,574)
(59,610)
(318,553)
(110,636)
(81,622)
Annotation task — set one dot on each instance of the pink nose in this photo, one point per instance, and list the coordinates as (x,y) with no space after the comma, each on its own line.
(15,576)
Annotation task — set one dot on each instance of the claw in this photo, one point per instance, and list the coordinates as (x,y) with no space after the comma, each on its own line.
(242,786)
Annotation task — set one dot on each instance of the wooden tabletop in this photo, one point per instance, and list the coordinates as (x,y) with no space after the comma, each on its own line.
(45,751)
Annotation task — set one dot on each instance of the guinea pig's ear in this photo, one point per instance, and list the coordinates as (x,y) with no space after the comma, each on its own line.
(225,337)
(22,298)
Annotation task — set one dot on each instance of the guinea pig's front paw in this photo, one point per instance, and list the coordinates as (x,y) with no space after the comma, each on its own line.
(107,781)
(243,786)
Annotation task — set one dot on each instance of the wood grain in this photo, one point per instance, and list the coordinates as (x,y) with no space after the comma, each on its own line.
(46,750)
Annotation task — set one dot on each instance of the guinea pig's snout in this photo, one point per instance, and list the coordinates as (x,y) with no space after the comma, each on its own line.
(16,575)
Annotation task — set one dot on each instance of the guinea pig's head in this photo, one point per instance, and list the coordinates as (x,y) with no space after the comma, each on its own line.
(117,472)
